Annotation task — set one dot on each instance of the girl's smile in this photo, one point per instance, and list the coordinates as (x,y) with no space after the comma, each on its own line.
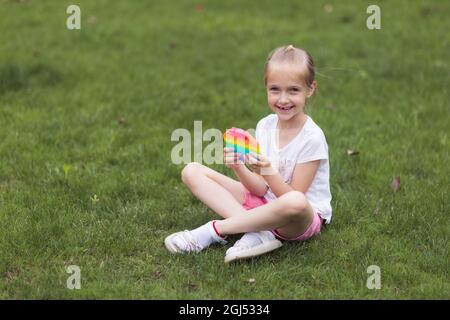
(284,109)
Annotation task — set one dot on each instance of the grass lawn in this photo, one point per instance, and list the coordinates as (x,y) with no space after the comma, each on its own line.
(86,118)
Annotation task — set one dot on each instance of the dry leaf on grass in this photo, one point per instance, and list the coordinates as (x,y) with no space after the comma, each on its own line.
(395,184)
(122,121)
(351,152)
(199,7)
(92,20)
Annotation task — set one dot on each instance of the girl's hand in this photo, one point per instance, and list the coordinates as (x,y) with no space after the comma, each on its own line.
(260,164)
(232,159)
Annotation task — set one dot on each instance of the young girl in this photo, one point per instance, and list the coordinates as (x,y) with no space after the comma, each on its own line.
(286,194)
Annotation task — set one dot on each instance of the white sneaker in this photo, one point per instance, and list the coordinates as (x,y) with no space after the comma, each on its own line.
(252,244)
(193,241)
(182,242)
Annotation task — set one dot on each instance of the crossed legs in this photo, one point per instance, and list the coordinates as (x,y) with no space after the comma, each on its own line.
(290,214)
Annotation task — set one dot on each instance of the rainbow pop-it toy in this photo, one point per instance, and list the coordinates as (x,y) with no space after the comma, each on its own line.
(241,141)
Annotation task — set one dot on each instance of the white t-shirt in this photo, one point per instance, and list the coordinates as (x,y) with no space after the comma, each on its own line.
(309,145)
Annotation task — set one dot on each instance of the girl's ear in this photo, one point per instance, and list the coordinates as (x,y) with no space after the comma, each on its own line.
(312,88)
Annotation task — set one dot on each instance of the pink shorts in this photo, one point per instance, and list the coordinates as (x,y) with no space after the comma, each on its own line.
(312,230)
(251,201)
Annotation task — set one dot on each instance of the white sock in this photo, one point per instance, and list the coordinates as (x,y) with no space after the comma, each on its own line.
(206,235)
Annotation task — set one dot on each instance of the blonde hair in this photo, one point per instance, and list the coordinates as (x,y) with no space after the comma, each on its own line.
(297,57)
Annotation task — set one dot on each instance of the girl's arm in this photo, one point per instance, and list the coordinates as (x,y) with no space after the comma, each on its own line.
(252,181)
(301,179)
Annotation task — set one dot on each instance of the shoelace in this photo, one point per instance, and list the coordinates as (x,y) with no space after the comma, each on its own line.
(190,243)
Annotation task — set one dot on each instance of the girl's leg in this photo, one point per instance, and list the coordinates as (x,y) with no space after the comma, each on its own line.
(291,214)
(219,192)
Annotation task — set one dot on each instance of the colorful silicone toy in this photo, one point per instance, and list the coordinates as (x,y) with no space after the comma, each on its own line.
(241,141)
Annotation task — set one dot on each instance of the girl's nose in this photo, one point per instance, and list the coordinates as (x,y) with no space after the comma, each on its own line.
(283,98)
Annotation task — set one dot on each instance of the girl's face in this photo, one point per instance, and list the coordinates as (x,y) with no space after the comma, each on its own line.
(286,93)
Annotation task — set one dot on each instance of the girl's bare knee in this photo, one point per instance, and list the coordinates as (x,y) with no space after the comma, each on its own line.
(294,203)
(190,172)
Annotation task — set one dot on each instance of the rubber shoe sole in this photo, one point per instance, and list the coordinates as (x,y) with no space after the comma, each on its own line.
(255,251)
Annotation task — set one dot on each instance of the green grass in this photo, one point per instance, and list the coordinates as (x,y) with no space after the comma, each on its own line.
(91,112)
